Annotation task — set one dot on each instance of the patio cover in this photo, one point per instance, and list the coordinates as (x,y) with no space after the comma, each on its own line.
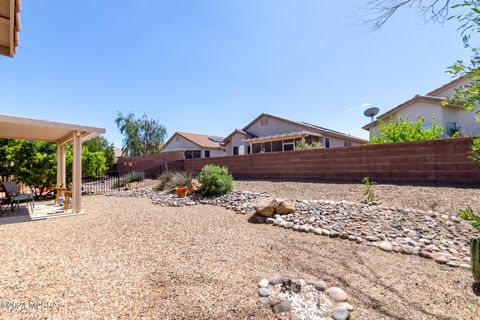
(60,133)
(9,26)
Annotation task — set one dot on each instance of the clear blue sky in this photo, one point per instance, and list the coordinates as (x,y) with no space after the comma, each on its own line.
(212,66)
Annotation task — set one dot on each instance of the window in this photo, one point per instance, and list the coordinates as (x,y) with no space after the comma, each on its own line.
(264,122)
(347,144)
(277,146)
(327,142)
(193,154)
(450,128)
(267,147)
(235,151)
(289,145)
(256,147)
(207,153)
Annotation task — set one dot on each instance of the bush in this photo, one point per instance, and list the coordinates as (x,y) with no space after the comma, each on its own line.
(169,180)
(215,181)
(404,130)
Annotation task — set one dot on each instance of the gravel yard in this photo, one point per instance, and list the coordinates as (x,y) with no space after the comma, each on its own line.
(129,259)
(439,199)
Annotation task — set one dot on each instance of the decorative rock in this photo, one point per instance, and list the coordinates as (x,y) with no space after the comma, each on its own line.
(337,294)
(441,259)
(347,306)
(320,285)
(325,232)
(263,292)
(283,206)
(334,234)
(340,313)
(406,249)
(413,234)
(343,235)
(425,254)
(352,238)
(264,300)
(270,220)
(276,280)
(265,206)
(372,238)
(283,306)
(317,231)
(385,246)
(292,285)
(263,283)
(453,264)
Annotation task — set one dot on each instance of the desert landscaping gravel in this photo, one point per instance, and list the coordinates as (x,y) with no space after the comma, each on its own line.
(442,199)
(130,259)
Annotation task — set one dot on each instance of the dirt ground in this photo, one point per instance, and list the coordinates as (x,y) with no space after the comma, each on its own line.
(129,259)
(443,199)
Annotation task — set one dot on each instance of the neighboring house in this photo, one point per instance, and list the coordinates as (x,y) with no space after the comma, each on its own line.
(195,145)
(269,133)
(429,107)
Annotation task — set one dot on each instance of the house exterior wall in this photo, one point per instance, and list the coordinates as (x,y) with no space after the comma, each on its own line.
(274,126)
(235,141)
(180,143)
(429,110)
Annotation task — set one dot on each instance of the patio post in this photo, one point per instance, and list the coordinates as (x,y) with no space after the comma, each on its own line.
(77,172)
(61,165)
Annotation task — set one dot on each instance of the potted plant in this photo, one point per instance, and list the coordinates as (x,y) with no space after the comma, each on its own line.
(180,191)
(474,219)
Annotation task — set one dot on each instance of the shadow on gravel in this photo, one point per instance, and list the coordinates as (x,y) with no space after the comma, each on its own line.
(476,288)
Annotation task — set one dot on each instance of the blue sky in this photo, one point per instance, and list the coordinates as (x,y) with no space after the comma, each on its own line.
(212,66)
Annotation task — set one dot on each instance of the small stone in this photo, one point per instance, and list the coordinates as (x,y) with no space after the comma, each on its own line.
(263,292)
(441,259)
(465,266)
(264,300)
(292,285)
(325,232)
(413,234)
(337,294)
(334,234)
(270,220)
(385,246)
(340,313)
(283,306)
(276,280)
(320,285)
(263,283)
(352,238)
(407,249)
(425,254)
(372,238)
(343,235)
(347,306)
(317,231)
(453,264)
(274,301)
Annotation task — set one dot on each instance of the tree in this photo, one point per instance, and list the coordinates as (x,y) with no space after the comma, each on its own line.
(380,11)
(93,163)
(100,144)
(142,136)
(399,130)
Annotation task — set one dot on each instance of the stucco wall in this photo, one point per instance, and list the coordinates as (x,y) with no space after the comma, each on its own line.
(180,143)
(237,140)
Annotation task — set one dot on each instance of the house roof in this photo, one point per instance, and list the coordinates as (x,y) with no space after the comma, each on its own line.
(322,130)
(292,135)
(202,140)
(9,26)
(229,137)
(430,97)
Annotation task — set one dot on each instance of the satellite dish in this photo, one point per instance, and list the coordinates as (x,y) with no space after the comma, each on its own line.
(371,112)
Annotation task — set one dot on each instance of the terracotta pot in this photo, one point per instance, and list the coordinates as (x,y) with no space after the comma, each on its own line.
(181,191)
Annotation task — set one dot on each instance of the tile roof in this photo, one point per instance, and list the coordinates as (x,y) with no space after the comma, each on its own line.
(202,140)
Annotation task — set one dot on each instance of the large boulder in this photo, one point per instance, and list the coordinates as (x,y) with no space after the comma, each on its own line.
(268,207)
(265,207)
(195,185)
(284,206)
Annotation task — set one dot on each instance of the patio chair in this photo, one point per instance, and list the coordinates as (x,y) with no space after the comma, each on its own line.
(15,197)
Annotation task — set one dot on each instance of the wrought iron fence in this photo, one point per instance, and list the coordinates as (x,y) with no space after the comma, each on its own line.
(117,181)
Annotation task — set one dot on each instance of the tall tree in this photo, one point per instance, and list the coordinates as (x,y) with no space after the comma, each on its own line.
(142,136)
(100,144)
(380,11)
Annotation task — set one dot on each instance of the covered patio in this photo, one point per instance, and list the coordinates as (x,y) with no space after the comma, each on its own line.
(60,133)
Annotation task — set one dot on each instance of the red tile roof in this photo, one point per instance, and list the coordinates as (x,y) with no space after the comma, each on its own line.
(201,140)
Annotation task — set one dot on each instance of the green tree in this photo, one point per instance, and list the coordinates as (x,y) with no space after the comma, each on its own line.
(400,130)
(142,136)
(93,163)
(100,144)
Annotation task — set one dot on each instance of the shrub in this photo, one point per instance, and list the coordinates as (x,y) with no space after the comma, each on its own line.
(215,181)
(302,145)
(169,180)
(469,215)
(368,191)
(404,130)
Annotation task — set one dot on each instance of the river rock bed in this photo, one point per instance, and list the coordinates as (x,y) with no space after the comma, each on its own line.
(297,299)
(441,237)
